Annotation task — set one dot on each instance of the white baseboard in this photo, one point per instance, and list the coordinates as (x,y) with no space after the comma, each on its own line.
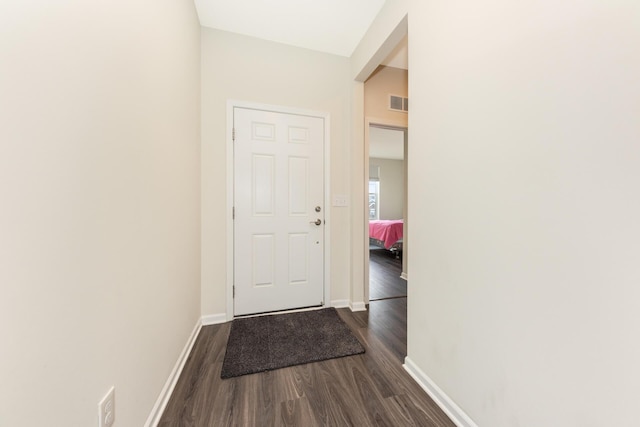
(340,303)
(453,411)
(358,306)
(165,394)
(404,276)
(345,303)
(214,319)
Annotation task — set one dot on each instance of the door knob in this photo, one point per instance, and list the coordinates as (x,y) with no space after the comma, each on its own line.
(316,222)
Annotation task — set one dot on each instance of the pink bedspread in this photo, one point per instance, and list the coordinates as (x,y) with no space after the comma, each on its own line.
(386,231)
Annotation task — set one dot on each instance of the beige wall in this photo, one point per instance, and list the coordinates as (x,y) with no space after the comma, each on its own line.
(248,69)
(100,188)
(391,187)
(383,82)
(524,174)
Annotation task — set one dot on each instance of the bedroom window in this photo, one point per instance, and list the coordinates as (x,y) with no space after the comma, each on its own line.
(374,199)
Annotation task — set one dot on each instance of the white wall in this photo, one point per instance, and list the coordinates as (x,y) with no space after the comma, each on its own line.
(100,187)
(248,69)
(524,174)
(391,187)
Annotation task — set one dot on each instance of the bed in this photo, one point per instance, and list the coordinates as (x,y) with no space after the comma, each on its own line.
(387,234)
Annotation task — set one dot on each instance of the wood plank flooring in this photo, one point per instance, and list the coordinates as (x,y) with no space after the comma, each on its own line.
(384,276)
(371,389)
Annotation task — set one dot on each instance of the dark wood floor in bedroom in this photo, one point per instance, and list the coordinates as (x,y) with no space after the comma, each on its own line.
(371,389)
(384,275)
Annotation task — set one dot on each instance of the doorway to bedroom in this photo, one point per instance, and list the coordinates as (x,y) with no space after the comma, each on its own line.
(386,107)
(387,205)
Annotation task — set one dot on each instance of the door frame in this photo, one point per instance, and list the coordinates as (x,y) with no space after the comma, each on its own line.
(230,241)
(387,124)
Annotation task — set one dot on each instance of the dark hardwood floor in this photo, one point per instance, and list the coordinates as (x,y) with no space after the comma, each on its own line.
(370,389)
(384,276)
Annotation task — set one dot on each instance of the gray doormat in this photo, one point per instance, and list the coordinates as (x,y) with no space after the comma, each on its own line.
(263,343)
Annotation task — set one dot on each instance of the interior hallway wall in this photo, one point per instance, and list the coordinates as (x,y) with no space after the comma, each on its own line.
(100,217)
(383,82)
(248,69)
(524,176)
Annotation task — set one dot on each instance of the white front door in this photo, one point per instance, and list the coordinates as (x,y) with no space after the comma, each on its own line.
(279,211)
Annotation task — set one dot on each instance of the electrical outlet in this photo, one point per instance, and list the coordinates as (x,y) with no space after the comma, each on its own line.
(107,409)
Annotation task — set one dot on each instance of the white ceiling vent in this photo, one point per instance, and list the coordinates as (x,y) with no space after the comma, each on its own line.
(398,103)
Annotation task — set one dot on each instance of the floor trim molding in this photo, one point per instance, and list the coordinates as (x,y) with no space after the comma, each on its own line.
(345,303)
(340,303)
(214,319)
(453,411)
(167,390)
(358,306)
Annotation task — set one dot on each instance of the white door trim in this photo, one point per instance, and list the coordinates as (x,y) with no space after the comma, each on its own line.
(368,122)
(231,104)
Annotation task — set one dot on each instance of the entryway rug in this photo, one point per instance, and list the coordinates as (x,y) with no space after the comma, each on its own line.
(263,343)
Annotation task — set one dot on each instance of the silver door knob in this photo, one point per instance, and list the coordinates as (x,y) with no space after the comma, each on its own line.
(316,222)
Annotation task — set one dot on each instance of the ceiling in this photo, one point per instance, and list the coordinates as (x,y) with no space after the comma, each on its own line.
(331,26)
(386,143)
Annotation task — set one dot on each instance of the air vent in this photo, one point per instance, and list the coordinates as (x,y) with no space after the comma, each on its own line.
(398,103)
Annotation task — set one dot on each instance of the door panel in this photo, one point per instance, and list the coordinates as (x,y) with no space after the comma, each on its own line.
(278,185)
(262,260)
(263,190)
(298,186)
(298,258)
